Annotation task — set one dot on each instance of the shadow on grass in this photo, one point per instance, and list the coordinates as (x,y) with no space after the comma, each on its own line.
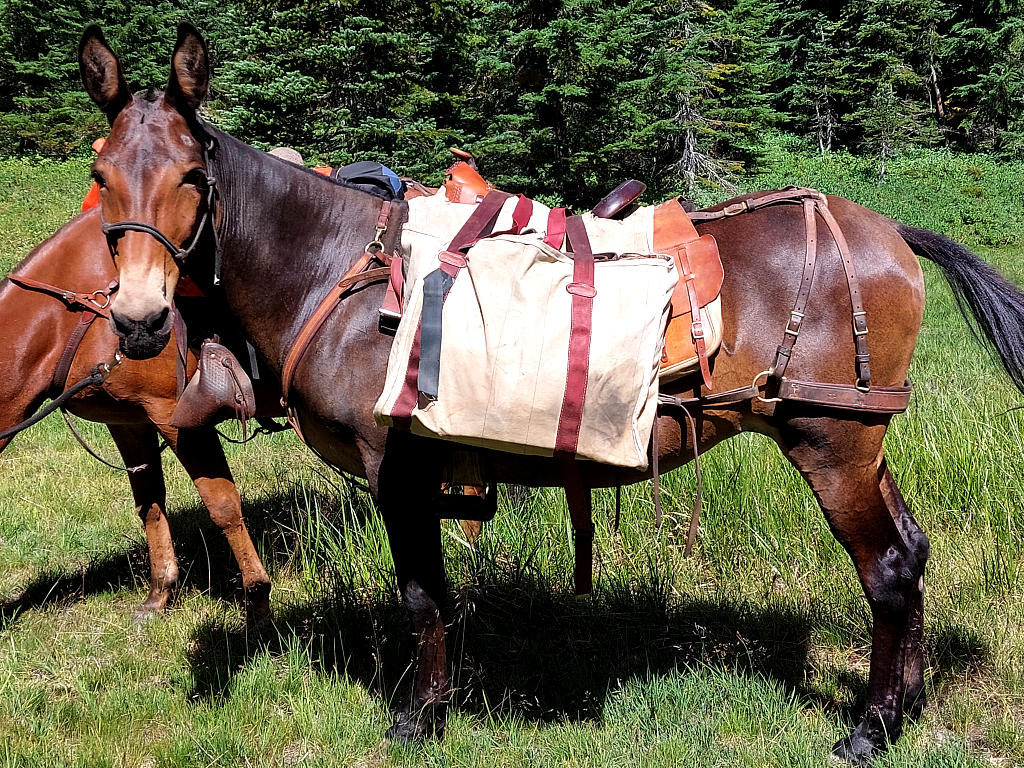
(517,646)
(205,561)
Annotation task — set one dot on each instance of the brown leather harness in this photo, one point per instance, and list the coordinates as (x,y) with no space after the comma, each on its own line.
(91,305)
(356,274)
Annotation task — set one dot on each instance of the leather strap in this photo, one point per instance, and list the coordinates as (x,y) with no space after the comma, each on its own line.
(67,357)
(391,308)
(862,359)
(696,326)
(796,315)
(578,499)
(181,350)
(555,235)
(673,231)
(787,195)
(522,214)
(357,273)
(89,302)
(847,396)
(581,324)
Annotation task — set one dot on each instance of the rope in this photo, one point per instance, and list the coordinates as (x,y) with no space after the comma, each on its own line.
(97,375)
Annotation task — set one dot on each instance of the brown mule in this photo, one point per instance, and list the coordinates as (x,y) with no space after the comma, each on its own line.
(136,402)
(283,236)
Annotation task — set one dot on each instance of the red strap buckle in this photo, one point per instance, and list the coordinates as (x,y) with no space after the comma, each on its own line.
(697,329)
(453,258)
(581,289)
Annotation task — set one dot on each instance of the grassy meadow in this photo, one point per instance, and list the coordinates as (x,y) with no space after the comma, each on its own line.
(753,652)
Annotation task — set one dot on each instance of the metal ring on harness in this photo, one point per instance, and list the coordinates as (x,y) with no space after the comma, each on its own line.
(754,385)
(106,298)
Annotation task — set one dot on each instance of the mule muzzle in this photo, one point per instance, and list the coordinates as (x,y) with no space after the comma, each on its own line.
(143,338)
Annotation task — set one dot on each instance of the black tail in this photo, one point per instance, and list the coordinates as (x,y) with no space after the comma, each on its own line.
(996,304)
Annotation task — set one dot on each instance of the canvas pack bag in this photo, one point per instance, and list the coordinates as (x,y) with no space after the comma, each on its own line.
(510,365)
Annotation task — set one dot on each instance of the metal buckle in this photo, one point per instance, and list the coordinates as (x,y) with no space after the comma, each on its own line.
(754,385)
(863,386)
(735,209)
(697,329)
(855,331)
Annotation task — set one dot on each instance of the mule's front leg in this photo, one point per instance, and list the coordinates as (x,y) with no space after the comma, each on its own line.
(202,456)
(414,533)
(139,447)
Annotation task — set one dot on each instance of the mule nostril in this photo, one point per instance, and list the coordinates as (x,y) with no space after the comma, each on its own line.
(157,320)
(122,325)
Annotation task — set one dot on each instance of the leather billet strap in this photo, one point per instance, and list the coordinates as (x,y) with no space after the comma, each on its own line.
(673,232)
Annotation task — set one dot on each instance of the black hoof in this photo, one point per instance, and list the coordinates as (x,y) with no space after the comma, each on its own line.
(867,740)
(258,612)
(426,722)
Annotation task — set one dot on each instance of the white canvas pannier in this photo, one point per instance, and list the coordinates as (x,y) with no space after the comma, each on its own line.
(502,377)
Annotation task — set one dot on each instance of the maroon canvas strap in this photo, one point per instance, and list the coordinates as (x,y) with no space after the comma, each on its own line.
(521,215)
(578,368)
(577,496)
(555,235)
(578,499)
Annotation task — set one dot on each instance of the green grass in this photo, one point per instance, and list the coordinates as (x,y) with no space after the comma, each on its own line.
(753,652)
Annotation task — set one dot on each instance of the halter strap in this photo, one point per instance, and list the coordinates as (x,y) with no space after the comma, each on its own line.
(115,230)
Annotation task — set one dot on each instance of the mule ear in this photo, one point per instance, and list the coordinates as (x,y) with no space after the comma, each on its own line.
(190,70)
(101,73)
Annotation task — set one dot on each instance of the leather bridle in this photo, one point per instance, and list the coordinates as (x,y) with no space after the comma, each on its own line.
(114,231)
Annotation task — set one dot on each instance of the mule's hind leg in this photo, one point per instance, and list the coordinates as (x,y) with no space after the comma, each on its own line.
(202,456)
(841,461)
(138,445)
(914,700)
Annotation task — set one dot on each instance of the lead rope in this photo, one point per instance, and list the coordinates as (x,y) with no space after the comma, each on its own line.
(91,452)
(99,374)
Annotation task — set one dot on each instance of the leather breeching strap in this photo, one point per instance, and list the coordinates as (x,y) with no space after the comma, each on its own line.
(862,396)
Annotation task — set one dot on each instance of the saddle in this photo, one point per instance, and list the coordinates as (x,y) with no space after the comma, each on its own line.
(219,390)
(694,330)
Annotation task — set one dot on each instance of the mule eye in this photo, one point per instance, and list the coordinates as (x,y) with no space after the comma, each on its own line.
(195,178)
(98,178)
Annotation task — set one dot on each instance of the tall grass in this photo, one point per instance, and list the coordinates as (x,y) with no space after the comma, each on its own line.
(753,652)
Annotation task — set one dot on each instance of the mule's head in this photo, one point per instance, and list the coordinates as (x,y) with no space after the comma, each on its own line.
(152,171)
